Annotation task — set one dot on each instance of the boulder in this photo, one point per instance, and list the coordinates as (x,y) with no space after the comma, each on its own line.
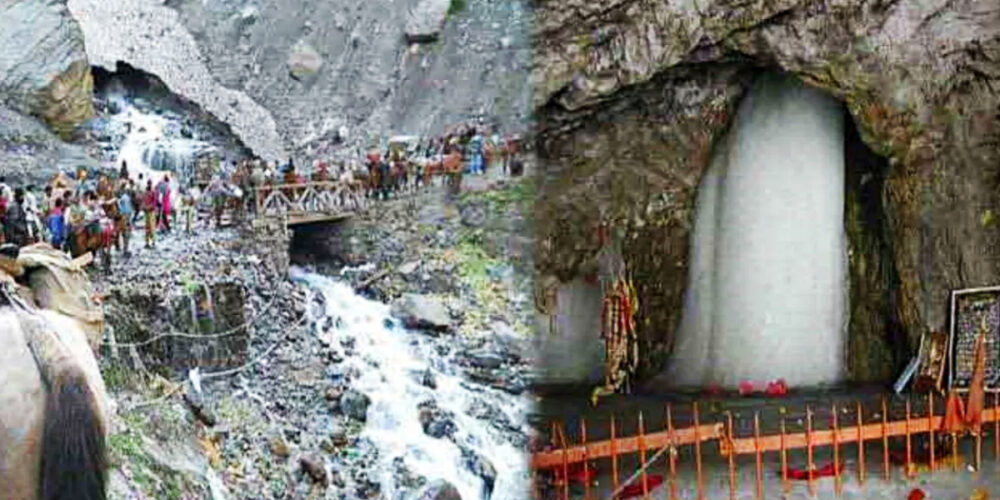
(354,404)
(436,422)
(426,20)
(304,61)
(314,467)
(422,312)
(482,358)
(439,490)
(44,71)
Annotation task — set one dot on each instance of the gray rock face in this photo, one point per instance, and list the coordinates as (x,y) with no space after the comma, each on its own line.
(372,81)
(426,20)
(31,153)
(43,65)
(422,312)
(632,94)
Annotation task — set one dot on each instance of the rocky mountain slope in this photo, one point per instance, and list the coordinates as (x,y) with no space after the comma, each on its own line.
(43,66)
(632,94)
(286,77)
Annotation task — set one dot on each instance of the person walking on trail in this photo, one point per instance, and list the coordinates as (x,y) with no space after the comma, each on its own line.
(16,222)
(476,162)
(257,178)
(188,205)
(74,216)
(32,216)
(163,194)
(56,224)
(217,193)
(125,211)
(149,209)
(135,192)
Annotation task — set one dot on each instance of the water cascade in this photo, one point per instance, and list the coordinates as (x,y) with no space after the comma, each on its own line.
(387,358)
(154,143)
(766,295)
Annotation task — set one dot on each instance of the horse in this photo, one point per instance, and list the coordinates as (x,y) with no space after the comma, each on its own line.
(433,168)
(399,177)
(95,237)
(54,413)
(374,180)
(490,154)
(122,227)
(452,166)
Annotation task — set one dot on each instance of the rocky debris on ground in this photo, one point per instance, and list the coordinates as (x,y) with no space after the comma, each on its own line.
(314,467)
(300,409)
(372,80)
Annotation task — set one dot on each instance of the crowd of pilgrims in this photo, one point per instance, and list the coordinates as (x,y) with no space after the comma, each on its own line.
(67,207)
(81,213)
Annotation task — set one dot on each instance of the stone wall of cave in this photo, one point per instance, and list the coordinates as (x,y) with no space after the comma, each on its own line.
(877,346)
(635,92)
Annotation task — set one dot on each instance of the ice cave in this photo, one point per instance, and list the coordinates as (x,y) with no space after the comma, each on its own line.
(767,286)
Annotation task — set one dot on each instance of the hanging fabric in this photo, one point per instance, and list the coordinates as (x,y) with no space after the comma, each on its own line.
(619,307)
(977,397)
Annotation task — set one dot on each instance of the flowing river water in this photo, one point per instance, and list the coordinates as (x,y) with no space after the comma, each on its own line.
(387,357)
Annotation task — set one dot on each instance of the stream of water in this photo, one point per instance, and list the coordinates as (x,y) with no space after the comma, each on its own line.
(387,357)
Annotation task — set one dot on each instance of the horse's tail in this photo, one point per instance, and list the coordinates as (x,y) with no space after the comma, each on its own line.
(74,452)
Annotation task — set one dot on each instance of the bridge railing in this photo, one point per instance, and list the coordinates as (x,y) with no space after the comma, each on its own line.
(329,197)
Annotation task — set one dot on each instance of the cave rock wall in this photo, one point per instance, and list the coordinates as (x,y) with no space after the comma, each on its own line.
(632,95)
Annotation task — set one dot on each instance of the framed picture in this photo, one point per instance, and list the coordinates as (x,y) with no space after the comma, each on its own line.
(933,354)
(974,311)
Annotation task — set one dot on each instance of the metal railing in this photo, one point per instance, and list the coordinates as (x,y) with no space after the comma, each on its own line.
(564,462)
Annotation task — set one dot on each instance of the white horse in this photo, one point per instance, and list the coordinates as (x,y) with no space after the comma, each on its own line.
(54,411)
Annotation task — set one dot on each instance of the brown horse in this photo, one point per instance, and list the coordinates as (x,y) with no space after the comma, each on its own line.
(122,227)
(53,404)
(433,168)
(452,166)
(398,176)
(98,238)
(374,180)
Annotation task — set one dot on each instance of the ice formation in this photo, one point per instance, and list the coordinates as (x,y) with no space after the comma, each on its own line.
(766,294)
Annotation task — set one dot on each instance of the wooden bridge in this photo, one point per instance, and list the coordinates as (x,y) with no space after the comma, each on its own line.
(309,202)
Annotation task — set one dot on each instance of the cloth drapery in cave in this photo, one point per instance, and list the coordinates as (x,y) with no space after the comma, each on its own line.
(620,304)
